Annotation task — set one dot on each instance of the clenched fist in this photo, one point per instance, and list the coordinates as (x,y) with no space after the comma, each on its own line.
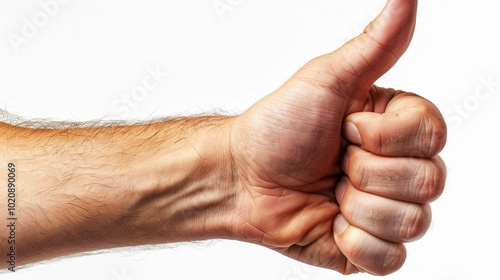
(335,171)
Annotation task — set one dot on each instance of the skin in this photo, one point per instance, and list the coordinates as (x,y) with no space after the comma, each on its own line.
(328,169)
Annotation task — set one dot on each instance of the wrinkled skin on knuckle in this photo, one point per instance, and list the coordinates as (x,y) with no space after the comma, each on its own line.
(393,260)
(380,264)
(415,222)
(432,131)
(430,180)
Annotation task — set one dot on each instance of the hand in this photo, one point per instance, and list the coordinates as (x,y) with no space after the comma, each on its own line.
(335,171)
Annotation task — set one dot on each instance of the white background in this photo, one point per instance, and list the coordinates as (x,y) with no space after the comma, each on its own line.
(77,61)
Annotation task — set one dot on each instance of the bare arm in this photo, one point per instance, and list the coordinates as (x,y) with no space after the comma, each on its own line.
(85,189)
(329,169)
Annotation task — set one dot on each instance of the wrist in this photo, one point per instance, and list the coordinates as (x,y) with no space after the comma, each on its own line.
(191,193)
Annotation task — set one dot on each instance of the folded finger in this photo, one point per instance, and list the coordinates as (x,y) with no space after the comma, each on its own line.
(409,126)
(365,252)
(419,180)
(388,219)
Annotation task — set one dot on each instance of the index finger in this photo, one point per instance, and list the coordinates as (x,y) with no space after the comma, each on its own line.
(409,126)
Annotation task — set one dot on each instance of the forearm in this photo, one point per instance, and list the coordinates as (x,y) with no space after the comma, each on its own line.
(85,189)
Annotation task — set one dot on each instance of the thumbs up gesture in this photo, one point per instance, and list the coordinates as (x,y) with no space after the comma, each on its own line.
(335,171)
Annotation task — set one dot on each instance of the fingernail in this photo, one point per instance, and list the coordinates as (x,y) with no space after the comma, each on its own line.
(345,163)
(352,133)
(340,224)
(340,190)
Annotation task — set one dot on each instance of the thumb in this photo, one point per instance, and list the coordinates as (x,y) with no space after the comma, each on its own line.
(355,66)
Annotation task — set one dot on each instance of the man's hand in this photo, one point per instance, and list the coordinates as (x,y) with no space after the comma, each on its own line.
(329,169)
(335,171)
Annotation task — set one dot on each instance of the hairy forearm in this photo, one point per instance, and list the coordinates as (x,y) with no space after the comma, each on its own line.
(83,189)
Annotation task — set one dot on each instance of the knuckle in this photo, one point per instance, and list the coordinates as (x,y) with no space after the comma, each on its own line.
(371,254)
(429,181)
(437,138)
(432,131)
(415,222)
(393,259)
